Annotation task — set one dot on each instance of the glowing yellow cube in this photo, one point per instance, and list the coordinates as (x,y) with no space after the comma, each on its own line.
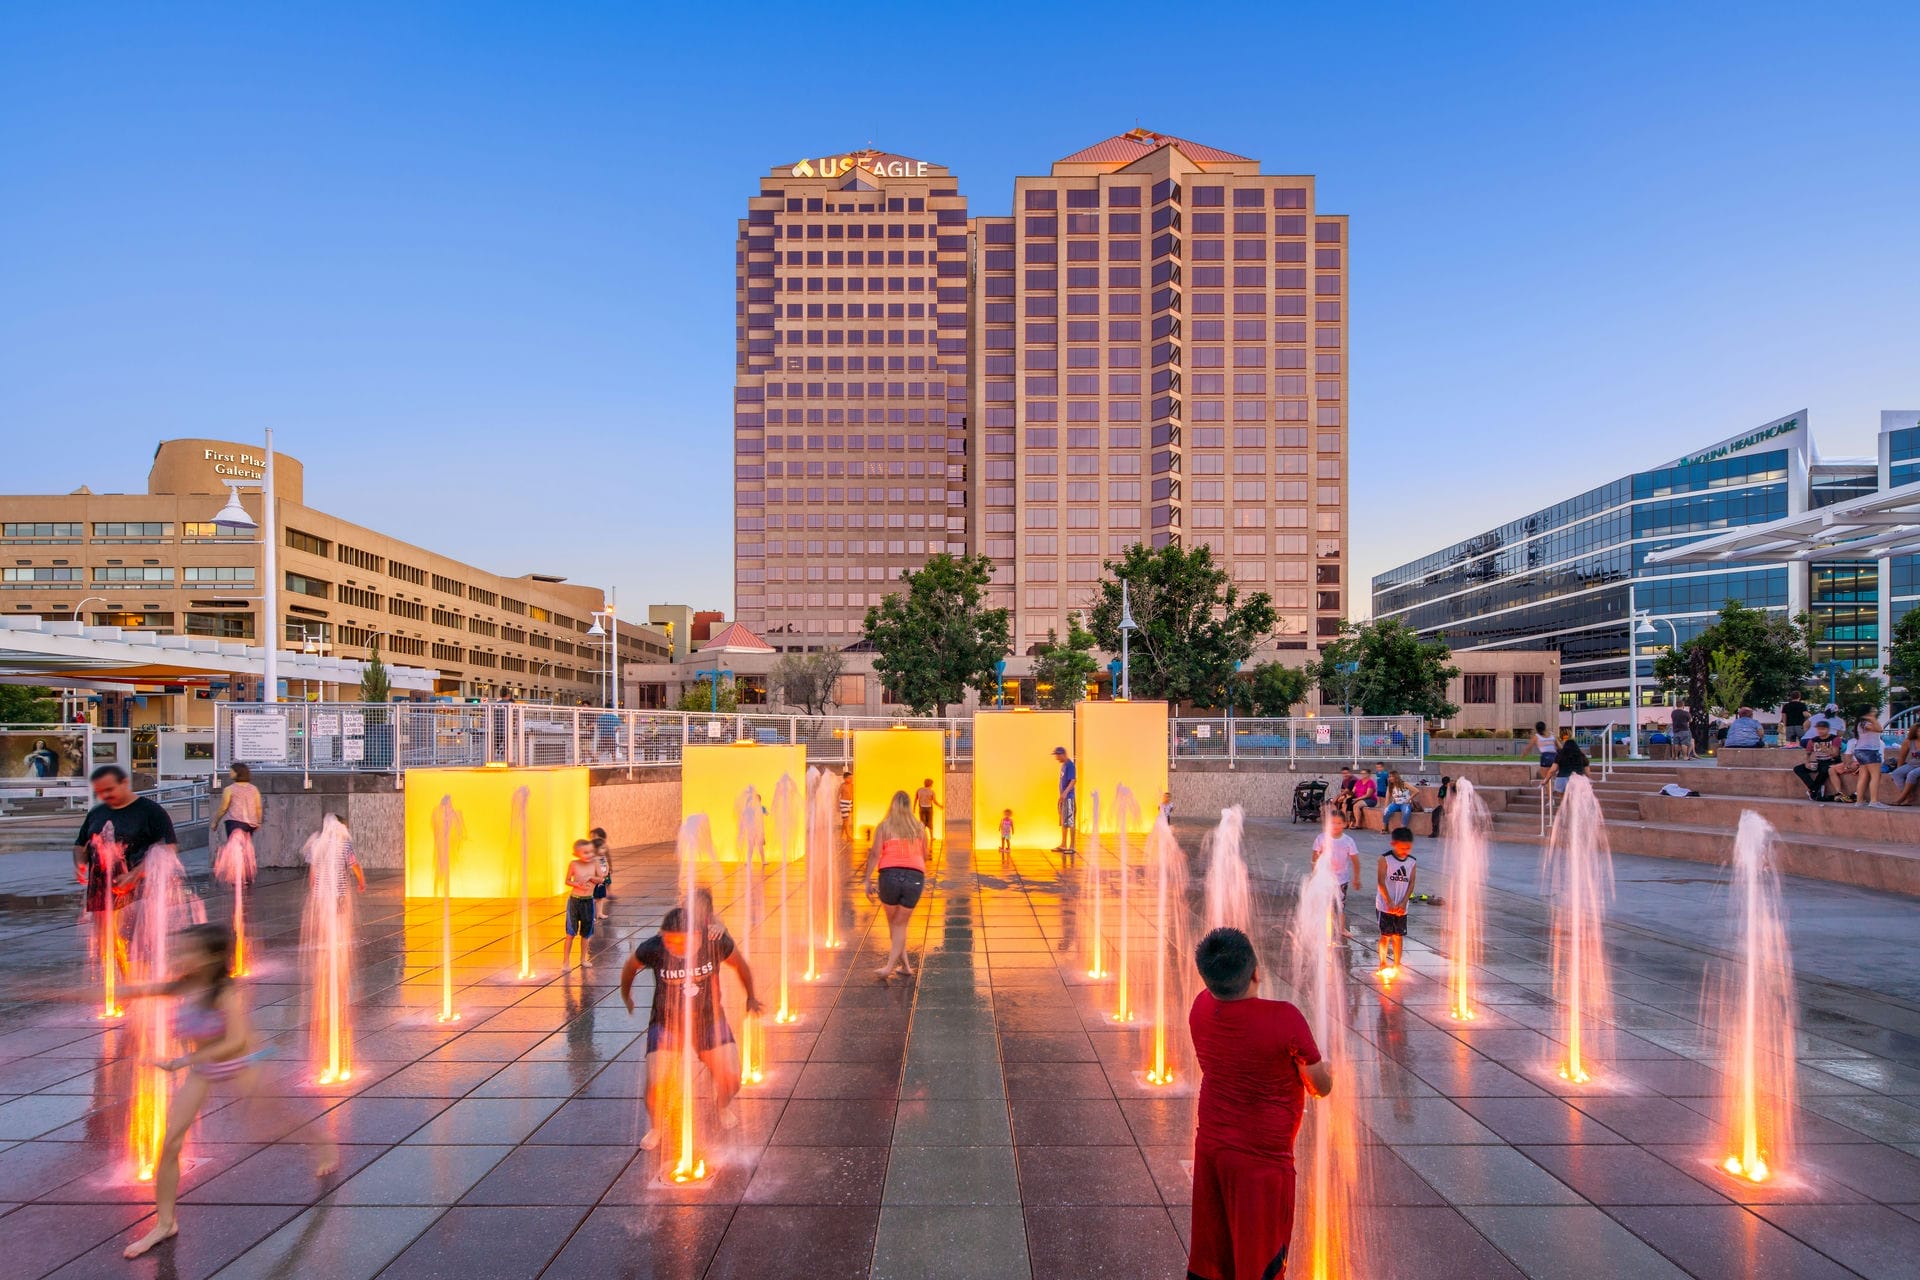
(890,760)
(1014,768)
(1122,744)
(485,855)
(713,777)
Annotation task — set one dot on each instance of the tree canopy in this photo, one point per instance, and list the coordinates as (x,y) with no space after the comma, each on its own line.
(1394,671)
(375,686)
(937,639)
(27,704)
(807,680)
(1061,669)
(1272,689)
(1903,656)
(700,697)
(1774,650)
(1193,624)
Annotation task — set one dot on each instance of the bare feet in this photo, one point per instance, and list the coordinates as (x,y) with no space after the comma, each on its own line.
(884,972)
(906,968)
(328,1163)
(159,1235)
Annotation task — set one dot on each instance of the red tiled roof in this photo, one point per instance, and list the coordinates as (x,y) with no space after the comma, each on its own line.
(735,638)
(1134,143)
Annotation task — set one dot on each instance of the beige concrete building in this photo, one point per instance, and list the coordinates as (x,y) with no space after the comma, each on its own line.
(1501,691)
(154,561)
(850,390)
(1160,342)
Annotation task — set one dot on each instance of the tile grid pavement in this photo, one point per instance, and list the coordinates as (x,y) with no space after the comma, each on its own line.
(917,1128)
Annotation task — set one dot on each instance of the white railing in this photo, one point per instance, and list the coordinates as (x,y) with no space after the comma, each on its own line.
(355,737)
(1299,740)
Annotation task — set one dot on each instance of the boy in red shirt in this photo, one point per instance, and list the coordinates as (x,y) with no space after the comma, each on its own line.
(1257,1063)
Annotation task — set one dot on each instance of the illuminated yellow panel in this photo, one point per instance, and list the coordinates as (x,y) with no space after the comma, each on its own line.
(1014,768)
(712,778)
(1122,744)
(890,760)
(485,859)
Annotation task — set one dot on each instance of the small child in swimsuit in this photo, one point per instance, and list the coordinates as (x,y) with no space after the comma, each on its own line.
(212,1017)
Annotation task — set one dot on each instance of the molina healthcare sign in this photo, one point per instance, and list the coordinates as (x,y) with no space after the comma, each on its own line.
(1740,444)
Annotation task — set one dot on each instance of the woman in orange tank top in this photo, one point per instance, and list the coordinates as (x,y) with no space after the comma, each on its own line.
(898,859)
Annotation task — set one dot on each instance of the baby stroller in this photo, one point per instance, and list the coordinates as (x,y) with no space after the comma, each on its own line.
(1308,797)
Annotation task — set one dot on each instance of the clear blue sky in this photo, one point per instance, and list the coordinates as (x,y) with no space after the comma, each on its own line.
(474,261)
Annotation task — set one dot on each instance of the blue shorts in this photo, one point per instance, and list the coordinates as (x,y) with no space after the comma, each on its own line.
(1866,755)
(580,917)
(711,1037)
(1547,758)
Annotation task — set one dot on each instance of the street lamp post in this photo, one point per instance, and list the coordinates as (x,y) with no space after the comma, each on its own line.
(715,671)
(1127,628)
(1642,626)
(234,516)
(999,682)
(606,624)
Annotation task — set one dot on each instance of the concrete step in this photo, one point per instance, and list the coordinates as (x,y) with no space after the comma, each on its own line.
(1839,860)
(1859,824)
(1778,782)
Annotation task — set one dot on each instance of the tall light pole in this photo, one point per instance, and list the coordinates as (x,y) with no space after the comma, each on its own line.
(234,516)
(1127,627)
(1642,625)
(606,624)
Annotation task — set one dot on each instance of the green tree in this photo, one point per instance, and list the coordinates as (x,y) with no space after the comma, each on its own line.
(1775,649)
(1193,624)
(1061,670)
(1728,684)
(27,704)
(1396,671)
(1858,692)
(937,639)
(699,697)
(1273,689)
(374,684)
(1903,656)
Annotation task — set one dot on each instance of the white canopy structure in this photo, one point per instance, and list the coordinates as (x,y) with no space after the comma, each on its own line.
(75,655)
(1880,524)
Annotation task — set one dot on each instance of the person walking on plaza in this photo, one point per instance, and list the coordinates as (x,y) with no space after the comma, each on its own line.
(1568,760)
(582,874)
(241,807)
(680,953)
(603,854)
(1683,748)
(1793,720)
(1393,878)
(1067,801)
(926,802)
(1440,806)
(138,823)
(1823,753)
(846,805)
(897,860)
(1546,749)
(210,1015)
(1335,843)
(1258,1061)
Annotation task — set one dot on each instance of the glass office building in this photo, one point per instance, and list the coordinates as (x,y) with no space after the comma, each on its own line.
(1899,465)
(1569,577)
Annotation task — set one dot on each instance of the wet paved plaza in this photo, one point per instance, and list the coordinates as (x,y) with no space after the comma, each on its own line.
(982,1121)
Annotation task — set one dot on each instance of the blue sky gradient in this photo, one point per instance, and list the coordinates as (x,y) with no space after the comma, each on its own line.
(474,262)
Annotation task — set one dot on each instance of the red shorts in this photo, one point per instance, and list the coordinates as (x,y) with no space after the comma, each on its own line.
(1242,1216)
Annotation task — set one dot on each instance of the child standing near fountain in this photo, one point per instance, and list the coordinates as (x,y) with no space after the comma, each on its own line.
(1006,832)
(1258,1061)
(926,802)
(1335,843)
(667,954)
(582,874)
(1393,886)
(604,855)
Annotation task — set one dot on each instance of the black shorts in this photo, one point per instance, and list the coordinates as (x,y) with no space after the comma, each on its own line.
(901,886)
(1392,926)
(233,826)
(600,890)
(580,917)
(711,1036)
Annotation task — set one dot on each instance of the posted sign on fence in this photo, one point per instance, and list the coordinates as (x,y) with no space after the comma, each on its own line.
(260,737)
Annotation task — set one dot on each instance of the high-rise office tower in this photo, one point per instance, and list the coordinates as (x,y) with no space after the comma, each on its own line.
(1159,339)
(850,390)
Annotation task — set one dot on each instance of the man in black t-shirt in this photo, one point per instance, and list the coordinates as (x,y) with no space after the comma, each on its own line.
(138,824)
(665,953)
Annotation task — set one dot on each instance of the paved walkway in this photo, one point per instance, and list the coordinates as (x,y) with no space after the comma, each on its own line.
(983,1121)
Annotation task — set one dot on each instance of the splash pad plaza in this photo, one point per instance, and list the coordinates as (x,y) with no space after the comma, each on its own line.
(1587,1063)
